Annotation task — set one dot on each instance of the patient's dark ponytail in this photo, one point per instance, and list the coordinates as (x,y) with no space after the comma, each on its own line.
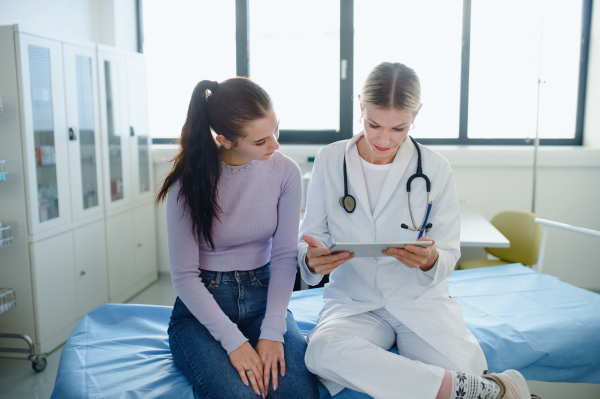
(226,108)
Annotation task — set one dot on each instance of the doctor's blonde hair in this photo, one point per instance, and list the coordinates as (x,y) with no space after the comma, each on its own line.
(392,85)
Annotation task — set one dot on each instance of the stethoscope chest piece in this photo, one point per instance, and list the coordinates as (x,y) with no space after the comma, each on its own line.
(348,203)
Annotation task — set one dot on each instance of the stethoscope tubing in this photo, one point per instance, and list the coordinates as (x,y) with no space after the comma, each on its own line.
(349,203)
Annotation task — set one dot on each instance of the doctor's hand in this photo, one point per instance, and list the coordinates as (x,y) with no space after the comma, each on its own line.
(414,256)
(319,260)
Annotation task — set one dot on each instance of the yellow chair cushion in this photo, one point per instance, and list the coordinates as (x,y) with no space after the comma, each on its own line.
(524,236)
(475,263)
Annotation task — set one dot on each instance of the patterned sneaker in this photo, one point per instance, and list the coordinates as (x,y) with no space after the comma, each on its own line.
(513,385)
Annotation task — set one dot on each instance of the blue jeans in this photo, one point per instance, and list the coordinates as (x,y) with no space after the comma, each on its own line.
(242,295)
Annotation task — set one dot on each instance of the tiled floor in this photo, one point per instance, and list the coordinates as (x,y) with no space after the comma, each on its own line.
(19,381)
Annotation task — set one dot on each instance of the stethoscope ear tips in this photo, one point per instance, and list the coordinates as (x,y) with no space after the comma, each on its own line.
(348,203)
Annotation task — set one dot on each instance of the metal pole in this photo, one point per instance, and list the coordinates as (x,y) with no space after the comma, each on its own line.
(536,144)
(242,57)
(537,121)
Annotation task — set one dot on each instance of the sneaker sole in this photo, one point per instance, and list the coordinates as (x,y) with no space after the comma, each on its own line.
(521,383)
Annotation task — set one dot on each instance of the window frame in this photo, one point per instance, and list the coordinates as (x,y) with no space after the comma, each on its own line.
(139,28)
(346,85)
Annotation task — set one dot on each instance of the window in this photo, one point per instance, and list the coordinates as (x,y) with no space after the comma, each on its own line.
(295,56)
(184,42)
(479,63)
(399,35)
(543,43)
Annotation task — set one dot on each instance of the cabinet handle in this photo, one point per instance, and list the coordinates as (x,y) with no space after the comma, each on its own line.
(139,245)
(131,131)
(82,273)
(72,134)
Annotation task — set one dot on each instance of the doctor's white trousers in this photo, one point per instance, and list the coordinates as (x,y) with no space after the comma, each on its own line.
(353,352)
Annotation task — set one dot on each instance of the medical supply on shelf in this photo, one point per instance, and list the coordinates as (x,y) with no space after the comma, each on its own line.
(8,300)
(3,171)
(5,237)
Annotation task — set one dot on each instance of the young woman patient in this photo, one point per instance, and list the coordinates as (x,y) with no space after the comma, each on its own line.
(233,208)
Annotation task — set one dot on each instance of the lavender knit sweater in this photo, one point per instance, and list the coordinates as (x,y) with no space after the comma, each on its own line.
(259,223)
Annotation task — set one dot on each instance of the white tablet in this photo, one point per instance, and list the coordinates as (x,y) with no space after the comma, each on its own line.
(372,249)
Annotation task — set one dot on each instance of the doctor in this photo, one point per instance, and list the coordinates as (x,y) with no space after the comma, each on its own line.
(401,297)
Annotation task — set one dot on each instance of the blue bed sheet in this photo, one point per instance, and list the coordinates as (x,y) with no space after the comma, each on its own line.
(547,329)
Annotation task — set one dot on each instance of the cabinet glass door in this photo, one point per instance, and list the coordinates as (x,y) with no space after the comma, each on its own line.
(43,132)
(87,134)
(115,158)
(83,128)
(139,127)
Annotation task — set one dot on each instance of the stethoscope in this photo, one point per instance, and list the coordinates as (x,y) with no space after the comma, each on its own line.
(349,203)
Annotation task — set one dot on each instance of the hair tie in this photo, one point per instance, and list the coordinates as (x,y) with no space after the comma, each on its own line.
(212,86)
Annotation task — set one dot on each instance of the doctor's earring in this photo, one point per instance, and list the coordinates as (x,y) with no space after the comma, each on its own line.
(412,126)
(360,119)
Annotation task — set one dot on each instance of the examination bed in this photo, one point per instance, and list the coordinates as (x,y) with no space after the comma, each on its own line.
(525,320)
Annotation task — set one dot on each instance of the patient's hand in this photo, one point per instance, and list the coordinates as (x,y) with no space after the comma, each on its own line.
(414,256)
(245,358)
(271,354)
(319,260)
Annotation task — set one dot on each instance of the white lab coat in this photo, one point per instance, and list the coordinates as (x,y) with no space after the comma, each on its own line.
(420,300)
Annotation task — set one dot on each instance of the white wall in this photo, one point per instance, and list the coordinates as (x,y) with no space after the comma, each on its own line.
(111,22)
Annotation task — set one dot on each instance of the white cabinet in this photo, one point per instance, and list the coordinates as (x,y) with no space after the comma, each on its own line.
(89,244)
(145,239)
(132,258)
(69,280)
(129,194)
(54,288)
(130,225)
(125,129)
(121,255)
(78,195)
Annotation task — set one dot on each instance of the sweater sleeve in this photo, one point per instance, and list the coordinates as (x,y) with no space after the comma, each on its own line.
(283,253)
(184,262)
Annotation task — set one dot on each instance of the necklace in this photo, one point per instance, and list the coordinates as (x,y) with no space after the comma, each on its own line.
(235,170)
